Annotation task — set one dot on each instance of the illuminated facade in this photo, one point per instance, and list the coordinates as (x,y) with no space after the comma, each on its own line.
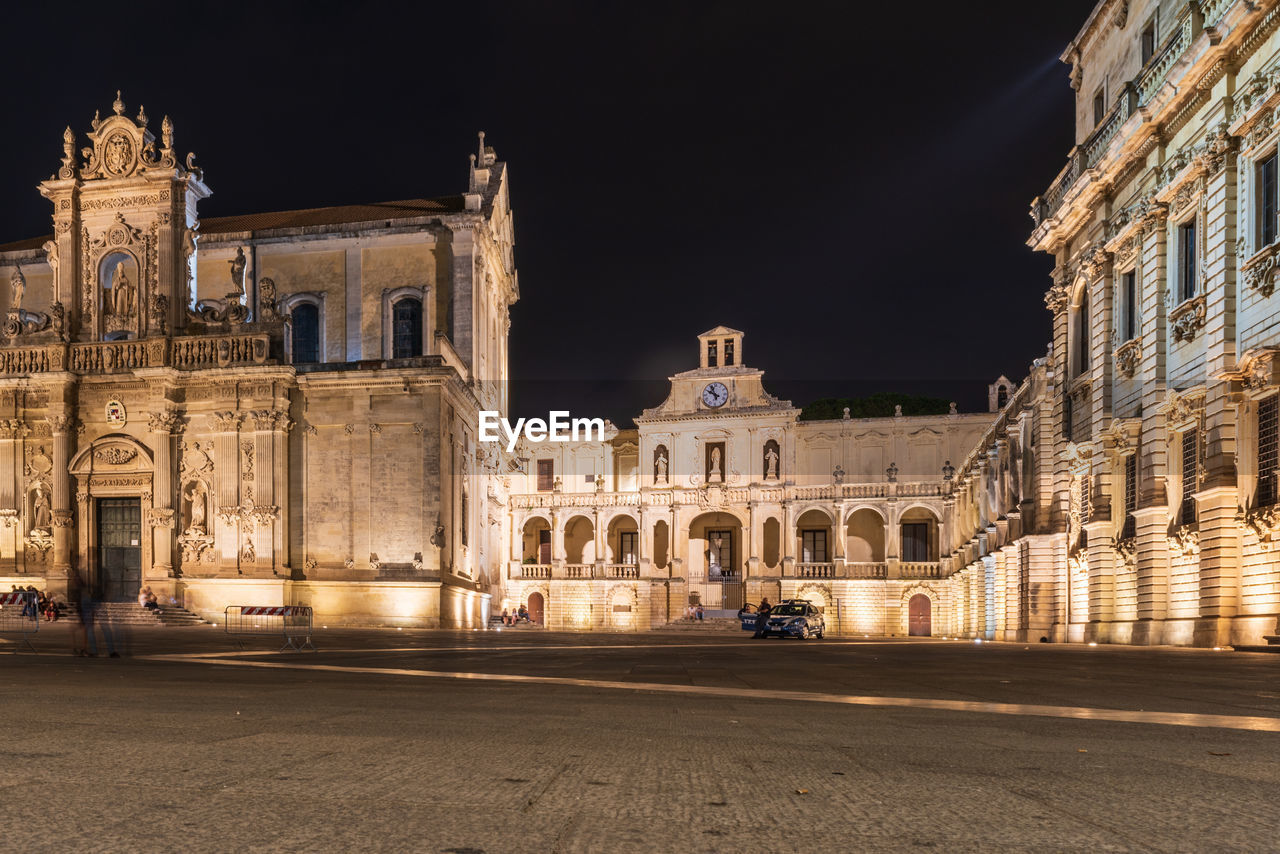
(1162,389)
(722,495)
(266,409)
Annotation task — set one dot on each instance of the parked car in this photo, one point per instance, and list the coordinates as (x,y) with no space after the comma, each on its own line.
(792,617)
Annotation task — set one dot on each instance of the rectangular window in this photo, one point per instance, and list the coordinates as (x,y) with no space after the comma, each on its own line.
(1149,42)
(546,475)
(1129,284)
(712,358)
(1267,201)
(1268,449)
(728,352)
(1130,528)
(1187,260)
(1066,416)
(915,542)
(1099,108)
(463,516)
(1190,472)
(1086,499)
(813,546)
(627,551)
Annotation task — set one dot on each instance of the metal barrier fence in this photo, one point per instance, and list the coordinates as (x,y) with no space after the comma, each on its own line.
(291,622)
(20,615)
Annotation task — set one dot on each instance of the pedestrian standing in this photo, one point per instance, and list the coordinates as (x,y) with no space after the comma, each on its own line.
(762,618)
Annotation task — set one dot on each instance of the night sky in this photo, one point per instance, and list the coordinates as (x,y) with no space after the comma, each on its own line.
(847,183)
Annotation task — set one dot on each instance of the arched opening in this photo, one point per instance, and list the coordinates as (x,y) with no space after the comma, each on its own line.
(622,546)
(919,529)
(406,328)
(536,545)
(715,561)
(772,542)
(864,537)
(919,616)
(621,609)
(579,544)
(537,608)
(814,545)
(118,296)
(1082,335)
(305,319)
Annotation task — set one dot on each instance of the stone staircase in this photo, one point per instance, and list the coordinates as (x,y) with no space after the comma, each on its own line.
(133,614)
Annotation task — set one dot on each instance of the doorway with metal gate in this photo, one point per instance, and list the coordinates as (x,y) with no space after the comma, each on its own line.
(119,560)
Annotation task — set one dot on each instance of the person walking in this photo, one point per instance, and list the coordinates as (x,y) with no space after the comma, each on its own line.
(762,618)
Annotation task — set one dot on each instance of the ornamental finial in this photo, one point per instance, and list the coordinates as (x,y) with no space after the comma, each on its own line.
(480,156)
(142,115)
(118,106)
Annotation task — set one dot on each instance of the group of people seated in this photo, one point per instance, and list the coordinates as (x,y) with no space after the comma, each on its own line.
(39,603)
(147,599)
(515,615)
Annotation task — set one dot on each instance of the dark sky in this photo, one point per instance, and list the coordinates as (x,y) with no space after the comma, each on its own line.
(847,183)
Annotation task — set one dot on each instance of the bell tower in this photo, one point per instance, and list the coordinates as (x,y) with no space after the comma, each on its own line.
(124,230)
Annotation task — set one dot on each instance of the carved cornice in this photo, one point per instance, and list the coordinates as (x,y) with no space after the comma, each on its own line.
(1183,409)
(1056,298)
(1184,541)
(164,422)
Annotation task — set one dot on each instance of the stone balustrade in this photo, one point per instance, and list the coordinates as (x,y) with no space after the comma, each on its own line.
(816,570)
(732,495)
(186,353)
(931,569)
(866,570)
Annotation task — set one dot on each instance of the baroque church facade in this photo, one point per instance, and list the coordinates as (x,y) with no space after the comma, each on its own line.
(268,409)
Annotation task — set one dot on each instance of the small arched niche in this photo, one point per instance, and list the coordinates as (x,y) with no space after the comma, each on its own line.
(119,295)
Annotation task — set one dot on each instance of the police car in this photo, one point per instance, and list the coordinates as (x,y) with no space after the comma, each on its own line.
(792,617)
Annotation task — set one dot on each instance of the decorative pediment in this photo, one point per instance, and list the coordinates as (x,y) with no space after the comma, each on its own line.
(1128,355)
(1188,318)
(121,147)
(112,455)
(1121,435)
(1185,408)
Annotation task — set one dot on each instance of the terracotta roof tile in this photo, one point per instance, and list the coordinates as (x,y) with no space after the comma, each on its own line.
(23,245)
(310,217)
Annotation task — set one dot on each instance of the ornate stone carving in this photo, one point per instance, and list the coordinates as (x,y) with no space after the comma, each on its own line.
(115,455)
(247,553)
(225,422)
(161,517)
(349,564)
(267,312)
(1264,524)
(62,423)
(1184,541)
(164,422)
(374,562)
(1188,318)
(1126,550)
(194,545)
(1128,355)
(375,429)
(310,564)
(1183,408)
(1096,263)
(1056,298)
(246,464)
(1260,274)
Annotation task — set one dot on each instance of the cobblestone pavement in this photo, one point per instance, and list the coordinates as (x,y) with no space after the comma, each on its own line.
(530,741)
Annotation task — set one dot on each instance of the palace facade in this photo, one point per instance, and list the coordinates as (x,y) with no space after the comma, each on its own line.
(722,495)
(1162,388)
(276,408)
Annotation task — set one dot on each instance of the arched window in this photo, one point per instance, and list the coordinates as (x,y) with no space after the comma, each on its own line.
(1002,396)
(1082,335)
(306,332)
(406,328)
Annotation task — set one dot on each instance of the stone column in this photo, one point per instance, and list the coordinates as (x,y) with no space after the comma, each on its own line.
(162,521)
(63,517)
(11,432)
(226,486)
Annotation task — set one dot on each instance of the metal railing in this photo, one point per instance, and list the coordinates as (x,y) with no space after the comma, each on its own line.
(20,615)
(290,622)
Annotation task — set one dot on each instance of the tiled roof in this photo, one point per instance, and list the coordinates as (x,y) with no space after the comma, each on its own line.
(342,215)
(307,217)
(23,245)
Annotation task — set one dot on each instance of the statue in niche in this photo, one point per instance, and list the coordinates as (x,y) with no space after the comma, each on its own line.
(18,285)
(238,265)
(714,474)
(197,508)
(770,463)
(122,292)
(660,467)
(41,510)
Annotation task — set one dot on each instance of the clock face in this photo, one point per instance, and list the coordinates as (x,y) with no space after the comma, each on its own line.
(715,395)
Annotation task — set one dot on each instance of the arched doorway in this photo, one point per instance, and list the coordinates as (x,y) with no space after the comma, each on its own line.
(536,607)
(919,616)
(715,561)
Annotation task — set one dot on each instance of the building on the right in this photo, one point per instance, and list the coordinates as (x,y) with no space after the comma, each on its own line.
(1159,514)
